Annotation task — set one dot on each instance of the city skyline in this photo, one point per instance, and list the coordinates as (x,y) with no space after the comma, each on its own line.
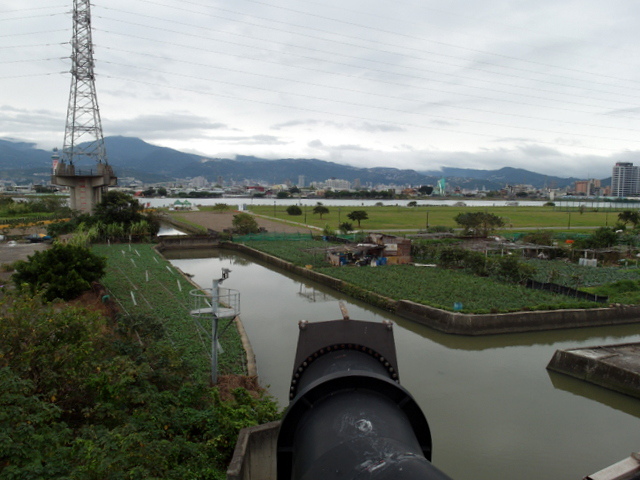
(537,85)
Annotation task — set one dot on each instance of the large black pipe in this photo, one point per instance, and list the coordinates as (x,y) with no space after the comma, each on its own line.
(349,418)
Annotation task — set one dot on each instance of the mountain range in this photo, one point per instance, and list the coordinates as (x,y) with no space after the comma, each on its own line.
(132,157)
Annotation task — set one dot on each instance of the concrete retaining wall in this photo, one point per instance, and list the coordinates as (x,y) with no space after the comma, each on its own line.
(611,366)
(254,457)
(185,227)
(186,242)
(489,324)
(460,323)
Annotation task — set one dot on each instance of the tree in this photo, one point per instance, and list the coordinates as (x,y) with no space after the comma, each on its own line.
(603,237)
(62,271)
(426,189)
(358,216)
(282,194)
(221,207)
(479,223)
(345,227)
(629,216)
(118,207)
(243,224)
(412,203)
(294,210)
(320,210)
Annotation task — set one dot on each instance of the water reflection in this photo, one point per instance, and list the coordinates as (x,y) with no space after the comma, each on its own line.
(491,404)
(628,405)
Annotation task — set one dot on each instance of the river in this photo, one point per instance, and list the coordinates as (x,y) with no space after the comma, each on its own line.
(494,410)
(244,203)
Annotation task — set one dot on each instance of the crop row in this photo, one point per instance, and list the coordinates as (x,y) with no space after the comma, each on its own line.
(438,287)
(443,288)
(301,252)
(143,282)
(578,276)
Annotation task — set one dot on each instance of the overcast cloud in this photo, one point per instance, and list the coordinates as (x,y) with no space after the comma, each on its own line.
(549,86)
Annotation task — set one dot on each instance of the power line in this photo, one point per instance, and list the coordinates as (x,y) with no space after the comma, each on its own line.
(355,117)
(27,60)
(32,33)
(306,27)
(403,55)
(375,107)
(33,8)
(33,16)
(291,80)
(18,47)
(501,100)
(33,75)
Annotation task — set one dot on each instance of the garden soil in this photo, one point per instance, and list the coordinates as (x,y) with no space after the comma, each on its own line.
(223,221)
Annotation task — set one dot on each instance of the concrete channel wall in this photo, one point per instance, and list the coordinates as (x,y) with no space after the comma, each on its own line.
(613,366)
(461,323)
(254,457)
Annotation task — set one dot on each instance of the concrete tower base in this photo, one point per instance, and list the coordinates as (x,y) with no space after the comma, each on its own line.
(87,186)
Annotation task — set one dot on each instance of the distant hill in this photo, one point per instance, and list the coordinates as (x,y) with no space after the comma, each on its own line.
(133,157)
(22,155)
(506,175)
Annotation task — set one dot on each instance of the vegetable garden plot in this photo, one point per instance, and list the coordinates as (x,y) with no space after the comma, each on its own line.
(145,283)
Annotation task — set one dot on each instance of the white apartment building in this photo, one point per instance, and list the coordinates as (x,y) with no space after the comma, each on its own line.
(625,180)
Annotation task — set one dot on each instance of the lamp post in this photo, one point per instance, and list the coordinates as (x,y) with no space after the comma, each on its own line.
(569,223)
(427,220)
(274,208)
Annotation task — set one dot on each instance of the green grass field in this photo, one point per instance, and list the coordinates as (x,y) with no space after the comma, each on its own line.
(416,218)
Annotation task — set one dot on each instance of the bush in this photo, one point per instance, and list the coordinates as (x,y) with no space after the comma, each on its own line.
(345,227)
(539,237)
(82,397)
(244,224)
(62,271)
(294,210)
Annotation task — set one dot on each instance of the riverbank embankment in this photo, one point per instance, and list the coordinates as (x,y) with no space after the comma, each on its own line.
(461,323)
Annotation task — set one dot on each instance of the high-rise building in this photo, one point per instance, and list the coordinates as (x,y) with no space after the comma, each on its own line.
(625,180)
(589,188)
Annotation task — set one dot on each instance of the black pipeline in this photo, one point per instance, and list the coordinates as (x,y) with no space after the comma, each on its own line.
(348,417)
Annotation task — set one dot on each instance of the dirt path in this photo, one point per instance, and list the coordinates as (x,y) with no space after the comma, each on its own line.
(221,221)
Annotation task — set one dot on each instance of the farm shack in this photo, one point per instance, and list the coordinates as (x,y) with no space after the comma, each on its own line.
(397,250)
(377,249)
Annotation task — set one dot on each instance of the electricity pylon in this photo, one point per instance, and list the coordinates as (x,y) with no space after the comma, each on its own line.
(83,138)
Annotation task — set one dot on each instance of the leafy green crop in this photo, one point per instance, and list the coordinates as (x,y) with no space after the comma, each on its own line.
(300,252)
(442,288)
(144,283)
(572,275)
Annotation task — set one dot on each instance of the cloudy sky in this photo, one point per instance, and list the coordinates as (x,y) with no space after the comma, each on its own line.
(550,86)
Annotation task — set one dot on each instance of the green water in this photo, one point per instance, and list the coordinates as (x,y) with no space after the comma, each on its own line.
(494,410)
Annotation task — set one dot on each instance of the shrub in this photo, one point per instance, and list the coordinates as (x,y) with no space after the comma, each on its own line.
(62,271)
(345,227)
(539,237)
(244,224)
(294,210)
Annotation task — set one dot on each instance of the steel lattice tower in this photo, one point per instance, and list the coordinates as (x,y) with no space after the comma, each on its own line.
(83,139)
(83,115)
